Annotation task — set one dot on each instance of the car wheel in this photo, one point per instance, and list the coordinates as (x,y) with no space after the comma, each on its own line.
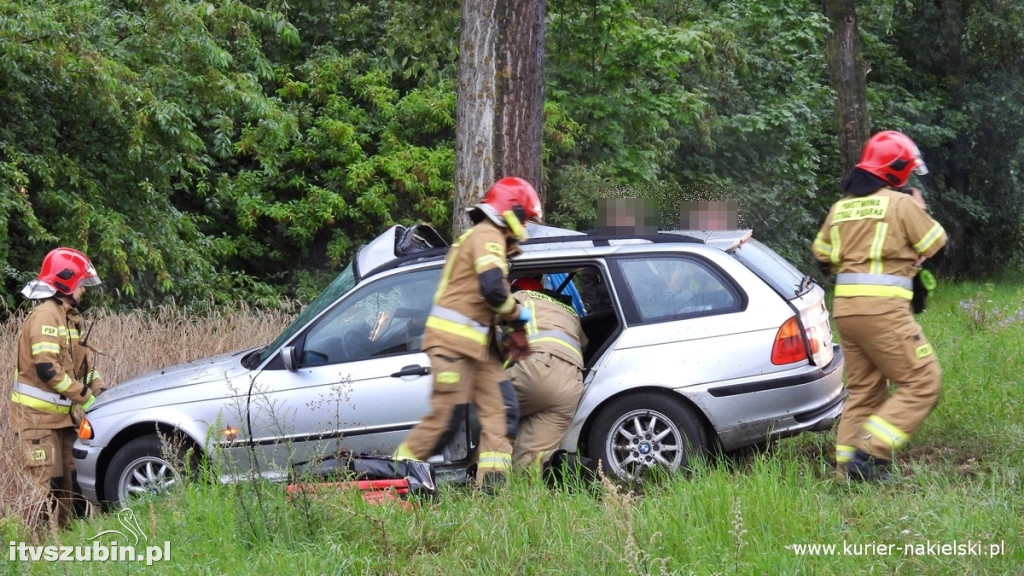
(643,431)
(145,466)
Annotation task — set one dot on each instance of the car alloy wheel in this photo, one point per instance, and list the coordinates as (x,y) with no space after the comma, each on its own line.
(643,431)
(143,467)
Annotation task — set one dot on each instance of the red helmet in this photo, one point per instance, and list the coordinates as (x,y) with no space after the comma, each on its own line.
(65,268)
(516,195)
(530,283)
(509,203)
(891,156)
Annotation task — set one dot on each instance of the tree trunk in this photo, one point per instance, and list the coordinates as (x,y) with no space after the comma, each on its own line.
(848,74)
(499,115)
(521,91)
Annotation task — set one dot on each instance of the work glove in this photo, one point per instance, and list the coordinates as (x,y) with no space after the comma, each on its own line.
(924,285)
(517,347)
(524,316)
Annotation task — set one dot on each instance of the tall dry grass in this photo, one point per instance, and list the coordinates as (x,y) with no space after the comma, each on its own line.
(133,344)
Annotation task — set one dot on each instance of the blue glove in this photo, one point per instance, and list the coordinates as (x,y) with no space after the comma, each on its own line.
(524,315)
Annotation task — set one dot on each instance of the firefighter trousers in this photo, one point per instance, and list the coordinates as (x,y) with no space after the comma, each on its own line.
(549,390)
(880,351)
(50,469)
(461,380)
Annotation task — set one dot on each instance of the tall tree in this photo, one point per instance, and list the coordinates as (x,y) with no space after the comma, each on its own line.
(848,73)
(499,116)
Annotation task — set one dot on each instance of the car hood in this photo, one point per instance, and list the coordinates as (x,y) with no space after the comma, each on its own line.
(193,375)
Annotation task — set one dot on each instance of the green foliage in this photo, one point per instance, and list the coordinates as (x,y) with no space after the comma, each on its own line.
(622,73)
(702,103)
(948,73)
(110,121)
(211,150)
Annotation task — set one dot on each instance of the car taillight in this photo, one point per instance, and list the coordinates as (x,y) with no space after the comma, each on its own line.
(814,340)
(789,344)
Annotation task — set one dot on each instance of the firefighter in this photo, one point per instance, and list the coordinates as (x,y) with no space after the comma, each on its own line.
(53,374)
(471,301)
(549,382)
(875,240)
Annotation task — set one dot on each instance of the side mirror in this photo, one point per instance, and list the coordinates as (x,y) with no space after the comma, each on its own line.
(288,356)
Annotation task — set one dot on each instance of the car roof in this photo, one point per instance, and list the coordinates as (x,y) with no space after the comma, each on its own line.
(402,245)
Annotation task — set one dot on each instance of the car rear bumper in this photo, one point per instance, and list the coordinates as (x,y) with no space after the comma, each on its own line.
(754,412)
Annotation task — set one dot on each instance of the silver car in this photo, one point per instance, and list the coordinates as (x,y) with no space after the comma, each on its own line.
(697,341)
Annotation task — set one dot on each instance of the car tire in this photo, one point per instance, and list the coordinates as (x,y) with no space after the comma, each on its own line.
(640,432)
(147,465)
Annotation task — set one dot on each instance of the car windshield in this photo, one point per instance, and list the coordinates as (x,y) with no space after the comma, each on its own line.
(342,284)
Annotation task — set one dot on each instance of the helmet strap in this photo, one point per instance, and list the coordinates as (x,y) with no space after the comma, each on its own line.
(515,226)
(68,299)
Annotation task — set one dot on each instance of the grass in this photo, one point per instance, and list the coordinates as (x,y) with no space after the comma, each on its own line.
(750,513)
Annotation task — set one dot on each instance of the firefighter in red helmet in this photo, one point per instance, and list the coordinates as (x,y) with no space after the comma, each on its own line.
(874,240)
(55,370)
(471,300)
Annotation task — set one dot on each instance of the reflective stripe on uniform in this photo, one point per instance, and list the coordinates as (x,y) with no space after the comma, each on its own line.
(446,273)
(531,325)
(448,320)
(488,261)
(881,285)
(844,453)
(38,404)
(558,337)
(534,336)
(63,385)
(822,247)
(930,238)
(848,290)
(45,347)
(875,279)
(447,377)
(403,452)
(835,243)
(886,432)
(555,301)
(495,461)
(881,229)
(26,390)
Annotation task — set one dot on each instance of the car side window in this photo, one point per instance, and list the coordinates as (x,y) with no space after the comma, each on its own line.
(386,317)
(664,288)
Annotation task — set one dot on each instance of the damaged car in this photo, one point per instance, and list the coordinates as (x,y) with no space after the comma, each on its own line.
(698,341)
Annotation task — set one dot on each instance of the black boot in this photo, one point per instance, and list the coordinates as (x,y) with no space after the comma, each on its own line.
(864,467)
(569,470)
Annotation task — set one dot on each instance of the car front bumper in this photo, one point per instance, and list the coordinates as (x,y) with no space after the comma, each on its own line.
(86,463)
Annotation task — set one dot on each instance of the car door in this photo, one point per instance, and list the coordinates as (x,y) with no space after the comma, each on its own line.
(682,311)
(361,381)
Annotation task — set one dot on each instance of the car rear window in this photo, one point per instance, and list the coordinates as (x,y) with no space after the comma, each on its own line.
(667,288)
(775,270)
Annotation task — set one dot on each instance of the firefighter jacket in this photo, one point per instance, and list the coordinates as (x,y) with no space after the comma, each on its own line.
(553,327)
(46,387)
(873,244)
(473,294)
